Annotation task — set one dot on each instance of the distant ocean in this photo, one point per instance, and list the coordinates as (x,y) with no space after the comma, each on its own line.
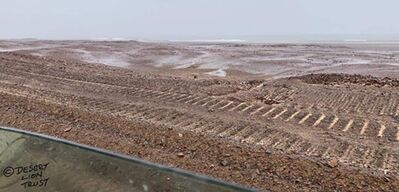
(294,39)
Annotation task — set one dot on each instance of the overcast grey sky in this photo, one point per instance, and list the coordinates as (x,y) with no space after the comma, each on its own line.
(174,19)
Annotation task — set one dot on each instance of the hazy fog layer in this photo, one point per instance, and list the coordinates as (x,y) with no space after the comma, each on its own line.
(189,19)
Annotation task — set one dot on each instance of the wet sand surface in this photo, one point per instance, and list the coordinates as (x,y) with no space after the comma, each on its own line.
(170,103)
(272,60)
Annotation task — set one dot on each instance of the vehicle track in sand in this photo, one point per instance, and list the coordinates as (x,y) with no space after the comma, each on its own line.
(355,126)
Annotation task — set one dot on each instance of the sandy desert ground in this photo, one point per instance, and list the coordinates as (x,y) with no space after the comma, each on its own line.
(267,116)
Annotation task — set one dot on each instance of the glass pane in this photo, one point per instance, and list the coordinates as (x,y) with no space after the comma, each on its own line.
(31,162)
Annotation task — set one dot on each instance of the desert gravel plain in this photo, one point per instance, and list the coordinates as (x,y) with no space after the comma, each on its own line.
(278,117)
